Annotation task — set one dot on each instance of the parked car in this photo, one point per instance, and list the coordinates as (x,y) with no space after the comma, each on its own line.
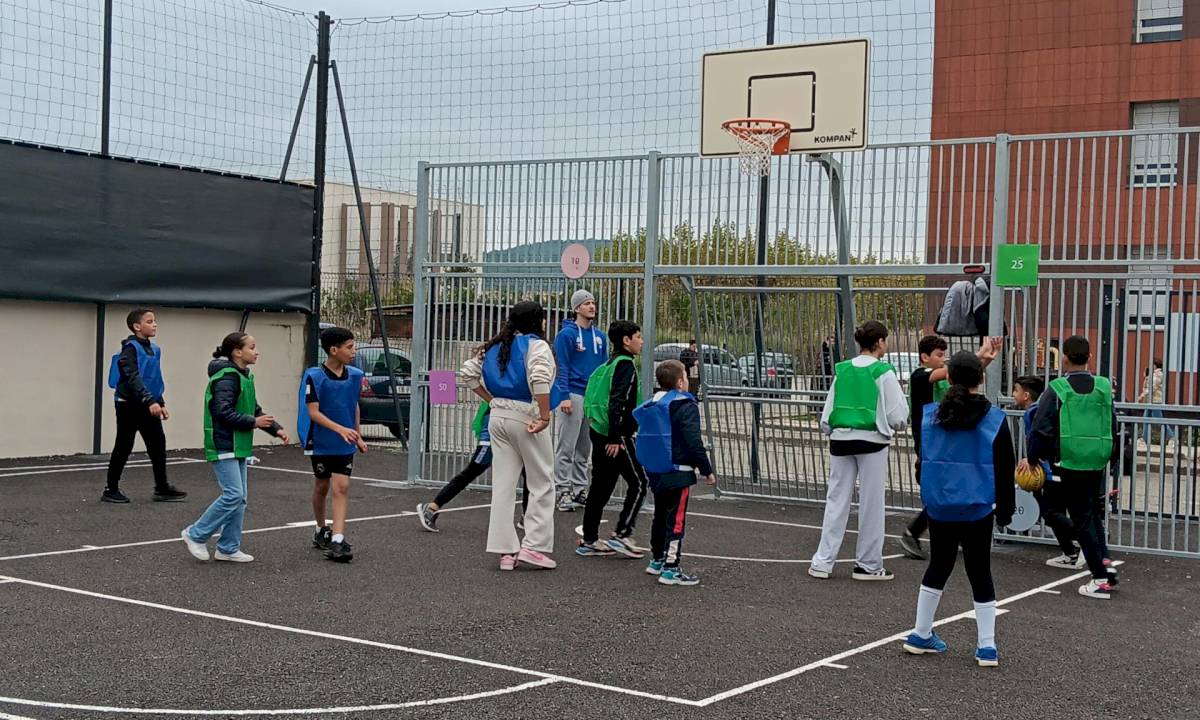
(375,402)
(720,367)
(905,363)
(778,370)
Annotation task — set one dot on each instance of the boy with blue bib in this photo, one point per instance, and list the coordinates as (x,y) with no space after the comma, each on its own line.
(1075,429)
(967,465)
(328,425)
(135,374)
(1027,389)
(670,448)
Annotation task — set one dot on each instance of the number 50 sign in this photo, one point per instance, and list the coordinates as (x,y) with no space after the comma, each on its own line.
(1017,265)
(442,389)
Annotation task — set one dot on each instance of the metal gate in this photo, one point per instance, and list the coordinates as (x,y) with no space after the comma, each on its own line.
(771,278)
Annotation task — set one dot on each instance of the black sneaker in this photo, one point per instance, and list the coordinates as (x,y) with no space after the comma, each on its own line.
(339,552)
(911,545)
(427,517)
(168,493)
(860,573)
(322,538)
(580,499)
(113,496)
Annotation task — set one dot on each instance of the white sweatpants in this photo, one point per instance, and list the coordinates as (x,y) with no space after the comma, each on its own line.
(574,449)
(513,448)
(871,472)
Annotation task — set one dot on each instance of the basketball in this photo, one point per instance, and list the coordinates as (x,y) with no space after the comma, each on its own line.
(1032,479)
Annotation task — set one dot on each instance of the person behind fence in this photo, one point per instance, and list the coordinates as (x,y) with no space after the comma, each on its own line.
(1075,428)
(135,375)
(231,414)
(863,410)
(513,373)
(328,427)
(579,349)
(1027,390)
(611,397)
(671,448)
(929,384)
(967,488)
(477,465)
(1152,392)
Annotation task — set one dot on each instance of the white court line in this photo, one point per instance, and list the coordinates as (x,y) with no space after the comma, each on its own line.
(823,662)
(286,711)
(773,560)
(90,464)
(354,641)
(835,666)
(768,522)
(6,716)
(309,473)
(289,526)
(65,469)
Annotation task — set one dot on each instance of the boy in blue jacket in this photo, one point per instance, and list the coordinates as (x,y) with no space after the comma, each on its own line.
(579,348)
(671,449)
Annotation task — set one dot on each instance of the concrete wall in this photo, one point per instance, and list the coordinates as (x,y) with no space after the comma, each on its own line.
(47,387)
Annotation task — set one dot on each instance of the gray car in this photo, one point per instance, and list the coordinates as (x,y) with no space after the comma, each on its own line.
(720,367)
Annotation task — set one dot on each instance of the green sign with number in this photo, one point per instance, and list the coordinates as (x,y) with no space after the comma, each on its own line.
(1017,265)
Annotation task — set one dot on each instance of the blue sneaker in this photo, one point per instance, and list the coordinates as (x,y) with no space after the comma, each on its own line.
(917,645)
(655,567)
(675,576)
(987,657)
(596,549)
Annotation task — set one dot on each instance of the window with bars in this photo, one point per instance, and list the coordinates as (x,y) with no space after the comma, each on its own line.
(1154,157)
(1148,292)
(1158,21)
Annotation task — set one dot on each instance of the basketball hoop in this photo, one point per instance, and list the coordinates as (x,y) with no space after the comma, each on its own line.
(757,141)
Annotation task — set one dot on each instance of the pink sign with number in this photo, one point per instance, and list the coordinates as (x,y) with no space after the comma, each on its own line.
(575,260)
(442,387)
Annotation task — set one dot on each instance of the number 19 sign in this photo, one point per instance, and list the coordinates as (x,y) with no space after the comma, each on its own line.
(1017,265)
(575,260)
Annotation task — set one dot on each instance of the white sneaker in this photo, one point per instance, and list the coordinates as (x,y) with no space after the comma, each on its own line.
(198,550)
(1097,589)
(239,557)
(818,574)
(1066,562)
(1141,446)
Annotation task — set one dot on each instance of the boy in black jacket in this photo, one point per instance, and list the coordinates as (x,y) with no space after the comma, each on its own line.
(136,378)
(672,486)
(1075,428)
(612,451)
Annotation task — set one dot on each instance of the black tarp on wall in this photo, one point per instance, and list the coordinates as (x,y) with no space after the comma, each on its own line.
(81,228)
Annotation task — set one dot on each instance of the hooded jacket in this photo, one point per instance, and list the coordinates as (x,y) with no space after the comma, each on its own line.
(130,387)
(223,407)
(578,352)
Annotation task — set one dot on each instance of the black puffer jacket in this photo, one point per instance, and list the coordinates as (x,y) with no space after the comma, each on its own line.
(223,407)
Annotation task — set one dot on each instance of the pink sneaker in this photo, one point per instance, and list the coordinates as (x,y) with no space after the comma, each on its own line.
(508,562)
(536,559)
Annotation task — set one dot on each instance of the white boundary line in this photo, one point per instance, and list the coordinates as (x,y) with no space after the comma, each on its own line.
(768,522)
(289,526)
(286,711)
(824,662)
(773,560)
(54,469)
(6,716)
(354,640)
(309,473)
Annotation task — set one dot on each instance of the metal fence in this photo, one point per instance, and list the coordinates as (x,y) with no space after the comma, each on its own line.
(770,288)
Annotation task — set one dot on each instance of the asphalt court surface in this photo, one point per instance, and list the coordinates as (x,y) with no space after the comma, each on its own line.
(106,615)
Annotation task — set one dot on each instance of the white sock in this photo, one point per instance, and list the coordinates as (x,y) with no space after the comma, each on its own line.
(927,605)
(985,623)
(339,537)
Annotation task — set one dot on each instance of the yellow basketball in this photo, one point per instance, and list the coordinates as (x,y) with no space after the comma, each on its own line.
(1031,480)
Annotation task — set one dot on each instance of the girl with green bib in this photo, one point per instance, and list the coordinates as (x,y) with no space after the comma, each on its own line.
(231,414)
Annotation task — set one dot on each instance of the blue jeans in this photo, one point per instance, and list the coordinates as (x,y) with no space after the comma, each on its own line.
(226,512)
(1167,430)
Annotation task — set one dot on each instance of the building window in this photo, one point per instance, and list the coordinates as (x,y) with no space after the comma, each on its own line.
(1148,293)
(1154,157)
(1158,21)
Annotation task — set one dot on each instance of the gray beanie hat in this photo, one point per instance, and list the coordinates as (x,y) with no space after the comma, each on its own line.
(579,297)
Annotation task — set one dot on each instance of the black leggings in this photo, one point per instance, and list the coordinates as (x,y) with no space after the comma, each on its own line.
(481,460)
(975,537)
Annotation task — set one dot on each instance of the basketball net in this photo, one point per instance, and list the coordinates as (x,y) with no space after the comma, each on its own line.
(757,141)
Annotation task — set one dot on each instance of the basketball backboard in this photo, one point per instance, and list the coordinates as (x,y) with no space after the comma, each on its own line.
(819,88)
